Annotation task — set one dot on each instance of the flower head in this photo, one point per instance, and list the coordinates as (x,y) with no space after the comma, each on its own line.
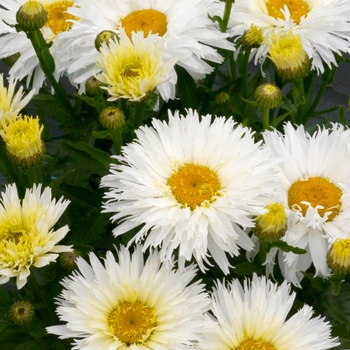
(22,137)
(132,69)
(21,312)
(193,185)
(12,103)
(130,303)
(323,26)
(255,317)
(184,27)
(338,256)
(314,176)
(26,235)
(31,15)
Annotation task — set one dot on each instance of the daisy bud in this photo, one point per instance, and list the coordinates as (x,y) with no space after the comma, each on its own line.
(288,56)
(268,95)
(338,257)
(31,16)
(22,137)
(105,36)
(253,37)
(272,225)
(93,87)
(112,118)
(68,260)
(21,313)
(222,97)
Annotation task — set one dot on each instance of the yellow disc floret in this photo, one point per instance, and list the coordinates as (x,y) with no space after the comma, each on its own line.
(58,16)
(132,322)
(148,21)
(297,9)
(195,185)
(252,344)
(317,191)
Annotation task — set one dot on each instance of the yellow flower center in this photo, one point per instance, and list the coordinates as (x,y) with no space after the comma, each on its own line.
(253,37)
(297,9)
(58,16)
(252,344)
(316,191)
(132,322)
(271,225)
(145,20)
(195,185)
(339,255)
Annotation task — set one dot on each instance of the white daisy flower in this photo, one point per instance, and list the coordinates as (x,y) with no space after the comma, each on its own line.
(255,317)
(132,69)
(323,26)
(13,42)
(11,103)
(131,304)
(26,234)
(314,176)
(185,26)
(193,185)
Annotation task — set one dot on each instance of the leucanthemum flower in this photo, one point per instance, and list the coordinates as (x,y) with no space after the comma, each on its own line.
(27,237)
(13,42)
(184,25)
(11,103)
(23,141)
(193,185)
(322,25)
(131,303)
(255,317)
(133,69)
(315,177)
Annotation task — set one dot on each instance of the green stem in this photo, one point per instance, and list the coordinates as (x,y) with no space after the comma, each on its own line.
(299,83)
(262,252)
(47,64)
(227,13)
(266,118)
(116,136)
(245,73)
(136,112)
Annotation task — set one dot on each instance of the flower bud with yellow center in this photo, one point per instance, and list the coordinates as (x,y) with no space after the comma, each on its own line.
(272,225)
(147,20)
(132,322)
(338,257)
(288,56)
(22,137)
(222,97)
(315,192)
(104,37)
(21,313)
(112,118)
(253,37)
(268,95)
(195,185)
(31,16)
(297,9)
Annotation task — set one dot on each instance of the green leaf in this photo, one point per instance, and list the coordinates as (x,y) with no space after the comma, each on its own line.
(286,247)
(98,102)
(247,268)
(186,89)
(5,299)
(101,134)
(28,345)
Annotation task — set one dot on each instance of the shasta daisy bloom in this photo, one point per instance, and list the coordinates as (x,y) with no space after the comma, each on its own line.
(13,42)
(255,317)
(131,303)
(322,25)
(314,177)
(11,102)
(133,69)
(22,137)
(27,237)
(193,185)
(184,25)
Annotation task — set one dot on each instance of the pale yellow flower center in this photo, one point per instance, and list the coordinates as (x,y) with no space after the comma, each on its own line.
(252,344)
(316,191)
(339,253)
(132,322)
(58,16)
(195,185)
(145,20)
(297,9)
